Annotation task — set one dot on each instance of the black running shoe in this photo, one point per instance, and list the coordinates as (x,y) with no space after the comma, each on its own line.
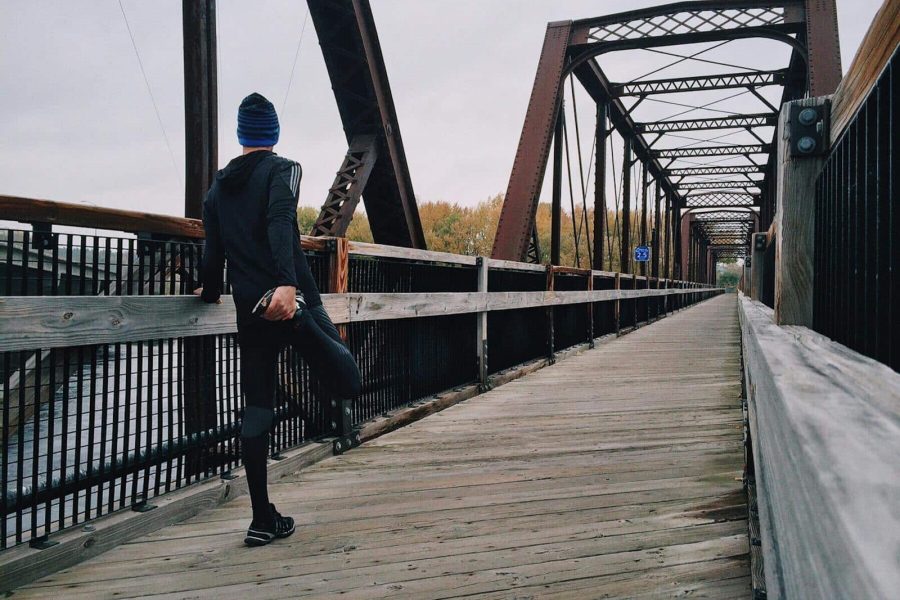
(260,535)
(263,304)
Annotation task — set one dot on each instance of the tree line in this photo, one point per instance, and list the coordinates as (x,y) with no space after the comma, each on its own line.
(470,230)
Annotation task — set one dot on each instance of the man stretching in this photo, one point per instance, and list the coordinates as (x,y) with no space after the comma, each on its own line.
(250,218)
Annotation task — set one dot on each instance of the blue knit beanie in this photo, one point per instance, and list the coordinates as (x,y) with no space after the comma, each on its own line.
(257,122)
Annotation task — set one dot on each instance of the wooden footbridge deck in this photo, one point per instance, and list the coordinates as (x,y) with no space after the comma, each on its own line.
(578,480)
(528,430)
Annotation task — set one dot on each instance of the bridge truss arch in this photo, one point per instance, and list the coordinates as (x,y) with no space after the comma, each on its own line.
(707,174)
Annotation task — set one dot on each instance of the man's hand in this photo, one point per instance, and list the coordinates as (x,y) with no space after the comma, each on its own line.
(283,304)
(199,292)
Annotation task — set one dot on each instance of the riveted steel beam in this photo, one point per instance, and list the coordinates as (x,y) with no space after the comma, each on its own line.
(735,122)
(716,185)
(730,170)
(697,84)
(713,150)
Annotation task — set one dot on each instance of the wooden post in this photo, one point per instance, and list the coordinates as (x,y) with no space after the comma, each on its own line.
(634,302)
(339,273)
(758,266)
(795,221)
(590,309)
(481,338)
(551,334)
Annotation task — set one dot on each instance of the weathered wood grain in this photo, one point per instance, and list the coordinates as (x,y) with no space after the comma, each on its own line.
(21,565)
(826,428)
(795,218)
(577,480)
(873,54)
(41,322)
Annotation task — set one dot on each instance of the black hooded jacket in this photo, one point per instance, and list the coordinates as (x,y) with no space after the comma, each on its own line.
(250,218)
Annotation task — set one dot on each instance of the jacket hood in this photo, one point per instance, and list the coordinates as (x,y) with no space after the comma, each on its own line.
(236,174)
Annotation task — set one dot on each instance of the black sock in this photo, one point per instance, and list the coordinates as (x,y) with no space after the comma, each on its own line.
(254,451)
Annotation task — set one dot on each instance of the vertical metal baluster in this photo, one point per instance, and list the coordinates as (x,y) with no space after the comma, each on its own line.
(4,475)
(104,401)
(26,244)
(114,452)
(36,438)
(89,461)
(180,404)
(20,439)
(10,246)
(68,272)
(138,416)
(64,438)
(126,421)
(170,414)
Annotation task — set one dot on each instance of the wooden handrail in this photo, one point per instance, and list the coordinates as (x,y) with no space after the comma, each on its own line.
(31,210)
(873,55)
(41,322)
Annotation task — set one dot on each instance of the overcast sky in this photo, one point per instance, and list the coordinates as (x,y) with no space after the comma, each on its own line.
(78,123)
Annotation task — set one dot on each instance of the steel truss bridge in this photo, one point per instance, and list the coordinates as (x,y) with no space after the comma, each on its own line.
(525,427)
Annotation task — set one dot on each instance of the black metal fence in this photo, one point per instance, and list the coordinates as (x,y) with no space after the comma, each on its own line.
(91,429)
(857,246)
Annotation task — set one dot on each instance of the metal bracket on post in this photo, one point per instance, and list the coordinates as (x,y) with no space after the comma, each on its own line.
(808,129)
(481,337)
(342,426)
(757,263)
(42,236)
(141,506)
(41,542)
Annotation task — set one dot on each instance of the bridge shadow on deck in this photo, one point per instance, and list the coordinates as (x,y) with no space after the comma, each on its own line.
(614,473)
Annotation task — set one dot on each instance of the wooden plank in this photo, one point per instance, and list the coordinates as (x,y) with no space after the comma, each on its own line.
(572,479)
(795,233)
(826,426)
(33,322)
(22,564)
(873,54)
(384,251)
(31,210)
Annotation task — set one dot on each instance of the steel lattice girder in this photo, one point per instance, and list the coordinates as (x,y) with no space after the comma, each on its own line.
(713,151)
(736,122)
(806,25)
(720,200)
(716,170)
(343,196)
(724,215)
(716,185)
(696,84)
(692,17)
(353,58)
